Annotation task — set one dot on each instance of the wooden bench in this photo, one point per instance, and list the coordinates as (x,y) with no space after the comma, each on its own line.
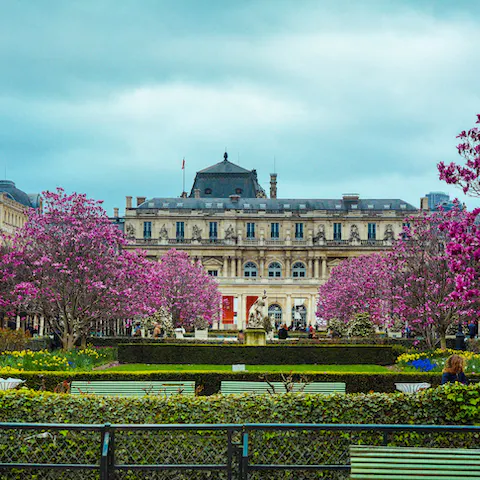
(227,387)
(388,463)
(132,388)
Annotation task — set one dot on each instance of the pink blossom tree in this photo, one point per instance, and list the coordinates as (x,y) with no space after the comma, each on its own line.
(467,175)
(425,286)
(357,285)
(185,290)
(70,266)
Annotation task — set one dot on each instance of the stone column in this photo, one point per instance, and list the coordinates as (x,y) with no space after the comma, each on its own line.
(232,265)
(262,263)
(288,266)
(239,267)
(18,322)
(240,313)
(41,327)
(324,268)
(309,270)
(225,266)
(288,313)
(317,268)
(311,310)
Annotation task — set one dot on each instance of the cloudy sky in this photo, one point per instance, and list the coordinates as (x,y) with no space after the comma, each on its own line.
(107,97)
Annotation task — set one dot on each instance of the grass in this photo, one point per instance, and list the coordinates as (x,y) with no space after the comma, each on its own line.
(140,367)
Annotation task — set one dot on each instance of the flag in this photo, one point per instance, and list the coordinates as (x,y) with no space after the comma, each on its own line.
(183,164)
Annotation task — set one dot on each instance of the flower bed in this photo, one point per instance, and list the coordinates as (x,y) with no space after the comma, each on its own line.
(43,360)
(434,361)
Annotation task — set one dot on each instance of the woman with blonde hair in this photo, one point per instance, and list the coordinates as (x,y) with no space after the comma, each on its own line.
(453,371)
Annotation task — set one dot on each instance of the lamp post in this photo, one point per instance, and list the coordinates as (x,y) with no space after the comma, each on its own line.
(460,338)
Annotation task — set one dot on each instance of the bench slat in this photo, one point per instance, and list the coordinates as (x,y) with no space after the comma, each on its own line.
(231,387)
(389,463)
(132,388)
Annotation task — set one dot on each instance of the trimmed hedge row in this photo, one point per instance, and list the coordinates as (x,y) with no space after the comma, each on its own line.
(451,404)
(166,353)
(208,383)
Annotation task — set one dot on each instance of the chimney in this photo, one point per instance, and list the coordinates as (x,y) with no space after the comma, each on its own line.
(196,193)
(140,200)
(115,212)
(129,202)
(273,185)
(423,203)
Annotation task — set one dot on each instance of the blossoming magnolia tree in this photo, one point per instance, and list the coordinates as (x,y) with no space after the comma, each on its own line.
(463,248)
(185,290)
(357,285)
(425,287)
(467,175)
(69,266)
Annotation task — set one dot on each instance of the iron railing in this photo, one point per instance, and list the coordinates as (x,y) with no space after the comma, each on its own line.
(223,451)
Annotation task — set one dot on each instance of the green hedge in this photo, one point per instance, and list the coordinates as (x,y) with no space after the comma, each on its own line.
(266,355)
(453,404)
(209,382)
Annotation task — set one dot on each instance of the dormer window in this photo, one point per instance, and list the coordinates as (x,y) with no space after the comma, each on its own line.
(208,191)
(238,191)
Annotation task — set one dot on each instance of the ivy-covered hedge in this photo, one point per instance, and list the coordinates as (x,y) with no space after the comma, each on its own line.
(451,404)
(208,383)
(253,355)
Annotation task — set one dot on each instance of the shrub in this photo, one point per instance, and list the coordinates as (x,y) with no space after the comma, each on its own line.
(361,326)
(13,339)
(265,355)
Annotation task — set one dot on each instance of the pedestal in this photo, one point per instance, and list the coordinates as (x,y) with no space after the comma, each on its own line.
(255,337)
(201,334)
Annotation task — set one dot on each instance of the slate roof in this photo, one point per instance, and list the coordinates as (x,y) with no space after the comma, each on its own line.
(224,179)
(276,204)
(8,187)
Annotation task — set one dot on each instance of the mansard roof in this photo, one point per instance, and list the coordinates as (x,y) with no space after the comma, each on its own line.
(277,204)
(224,179)
(8,187)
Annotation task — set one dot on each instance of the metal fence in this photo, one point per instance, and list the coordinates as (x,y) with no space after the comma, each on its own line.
(178,452)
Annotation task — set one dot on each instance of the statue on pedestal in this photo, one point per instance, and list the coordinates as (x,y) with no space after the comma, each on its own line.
(258,314)
(196,234)
(163,235)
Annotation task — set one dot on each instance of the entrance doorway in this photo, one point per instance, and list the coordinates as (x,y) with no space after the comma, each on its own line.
(299,317)
(275,314)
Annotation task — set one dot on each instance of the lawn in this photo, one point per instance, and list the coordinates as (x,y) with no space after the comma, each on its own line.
(140,367)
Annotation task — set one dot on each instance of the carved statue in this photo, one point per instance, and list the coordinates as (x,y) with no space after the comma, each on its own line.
(320,235)
(130,231)
(163,235)
(354,235)
(258,313)
(230,233)
(389,235)
(196,233)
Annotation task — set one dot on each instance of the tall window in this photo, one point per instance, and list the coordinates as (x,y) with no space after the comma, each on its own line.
(337,231)
(372,231)
(180,232)
(275,230)
(299,270)
(250,270)
(250,230)
(147,229)
(405,225)
(299,231)
(213,273)
(275,270)
(213,231)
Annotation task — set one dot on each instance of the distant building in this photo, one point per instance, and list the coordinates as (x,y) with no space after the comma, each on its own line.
(13,206)
(252,243)
(436,199)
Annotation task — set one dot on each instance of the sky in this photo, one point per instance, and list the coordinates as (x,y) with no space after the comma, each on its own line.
(106,97)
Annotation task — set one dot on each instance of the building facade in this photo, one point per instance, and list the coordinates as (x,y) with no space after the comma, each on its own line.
(252,244)
(13,206)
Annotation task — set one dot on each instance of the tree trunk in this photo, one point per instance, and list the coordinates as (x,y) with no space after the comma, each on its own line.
(83,341)
(68,341)
(443,341)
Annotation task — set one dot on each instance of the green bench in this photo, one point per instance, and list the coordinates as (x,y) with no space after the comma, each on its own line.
(388,463)
(227,387)
(132,388)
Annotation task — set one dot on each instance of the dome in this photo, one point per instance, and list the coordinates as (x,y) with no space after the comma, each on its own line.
(8,187)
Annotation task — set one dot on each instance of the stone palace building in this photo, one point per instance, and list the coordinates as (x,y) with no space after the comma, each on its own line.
(252,242)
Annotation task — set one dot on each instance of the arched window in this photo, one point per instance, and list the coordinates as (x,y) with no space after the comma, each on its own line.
(208,191)
(249,270)
(299,270)
(275,270)
(275,313)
